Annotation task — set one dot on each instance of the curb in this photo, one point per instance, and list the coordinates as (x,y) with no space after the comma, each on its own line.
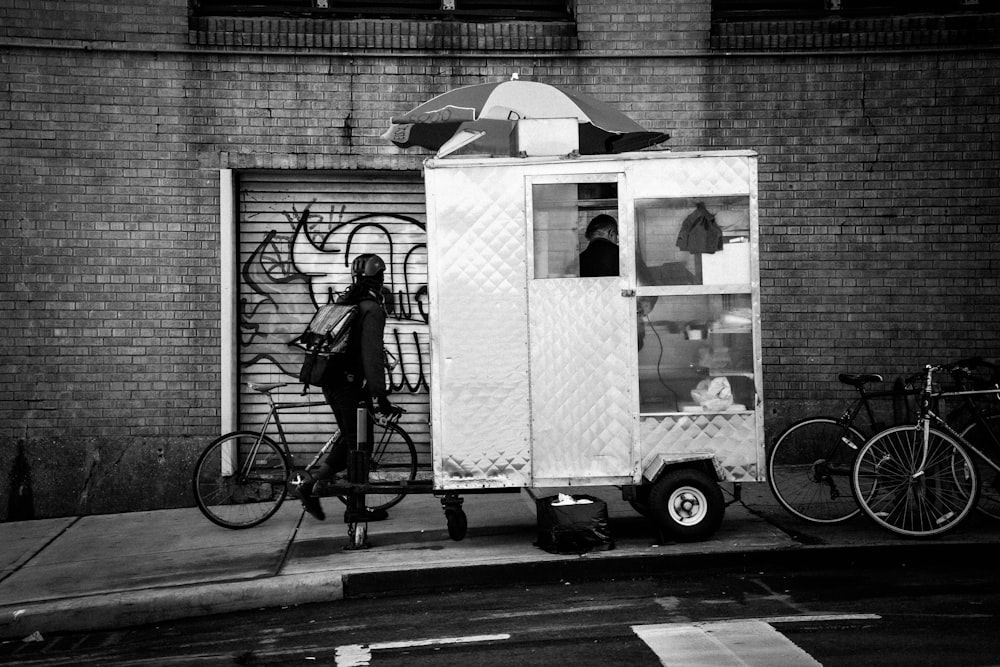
(116,610)
(111,610)
(587,568)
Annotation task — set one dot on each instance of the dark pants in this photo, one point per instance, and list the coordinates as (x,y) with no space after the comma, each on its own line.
(344,398)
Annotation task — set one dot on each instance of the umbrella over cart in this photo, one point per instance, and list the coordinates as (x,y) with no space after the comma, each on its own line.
(467,114)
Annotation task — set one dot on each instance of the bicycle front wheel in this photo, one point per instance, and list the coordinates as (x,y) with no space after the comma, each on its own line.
(987,443)
(239,480)
(910,494)
(809,469)
(393,460)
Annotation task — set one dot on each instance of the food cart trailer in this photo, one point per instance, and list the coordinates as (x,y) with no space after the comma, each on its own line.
(648,380)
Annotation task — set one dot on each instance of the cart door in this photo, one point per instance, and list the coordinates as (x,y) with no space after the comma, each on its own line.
(582,333)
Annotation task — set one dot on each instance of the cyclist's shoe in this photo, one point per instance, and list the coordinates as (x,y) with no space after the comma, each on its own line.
(311,504)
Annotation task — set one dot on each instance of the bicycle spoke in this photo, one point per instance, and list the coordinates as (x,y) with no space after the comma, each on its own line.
(986,440)
(239,480)
(809,470)
(908,498)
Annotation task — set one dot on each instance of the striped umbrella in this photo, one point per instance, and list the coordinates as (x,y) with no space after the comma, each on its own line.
(493,108)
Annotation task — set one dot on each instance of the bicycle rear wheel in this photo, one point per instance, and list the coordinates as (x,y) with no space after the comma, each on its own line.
(989,479)
(809,469)
(394,459)
(901,491)
(234,490)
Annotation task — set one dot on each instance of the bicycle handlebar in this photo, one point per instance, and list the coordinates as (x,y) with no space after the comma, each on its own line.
(960,370)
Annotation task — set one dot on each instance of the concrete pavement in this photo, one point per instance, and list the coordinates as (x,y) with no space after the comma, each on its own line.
(105,571)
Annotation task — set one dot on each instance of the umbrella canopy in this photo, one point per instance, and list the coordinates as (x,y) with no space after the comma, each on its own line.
(493,108)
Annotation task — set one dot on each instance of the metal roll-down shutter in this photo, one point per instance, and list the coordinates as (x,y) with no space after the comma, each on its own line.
(288,268)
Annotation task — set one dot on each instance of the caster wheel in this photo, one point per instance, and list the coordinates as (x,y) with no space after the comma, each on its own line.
(458,524)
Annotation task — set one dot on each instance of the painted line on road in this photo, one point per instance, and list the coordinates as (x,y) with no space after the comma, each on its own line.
(743,642)
(748,641)
(561,611)
(359,655)
(819,618)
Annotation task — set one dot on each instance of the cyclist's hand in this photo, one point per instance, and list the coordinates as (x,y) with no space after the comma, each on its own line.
(386,411)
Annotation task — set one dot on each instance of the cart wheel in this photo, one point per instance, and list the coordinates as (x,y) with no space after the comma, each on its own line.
(687,504)
(458,524)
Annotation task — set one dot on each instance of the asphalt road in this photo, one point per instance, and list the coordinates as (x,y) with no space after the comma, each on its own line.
(900,614)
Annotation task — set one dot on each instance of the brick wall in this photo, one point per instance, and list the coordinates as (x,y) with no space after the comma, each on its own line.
(628,27)
(878,207)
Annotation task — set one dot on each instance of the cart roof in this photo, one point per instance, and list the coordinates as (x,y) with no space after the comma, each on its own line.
(483,160)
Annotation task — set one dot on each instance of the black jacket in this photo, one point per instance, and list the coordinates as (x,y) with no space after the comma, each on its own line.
(599,259)
(363,358)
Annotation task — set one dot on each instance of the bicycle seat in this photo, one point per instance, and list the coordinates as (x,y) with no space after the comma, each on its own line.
(264,387)
(859,380)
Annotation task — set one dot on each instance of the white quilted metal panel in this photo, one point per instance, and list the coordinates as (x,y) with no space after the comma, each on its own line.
(731,438)
(701,176)
(581,381)
(479,351)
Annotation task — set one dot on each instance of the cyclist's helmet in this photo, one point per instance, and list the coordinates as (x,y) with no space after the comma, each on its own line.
(367,266)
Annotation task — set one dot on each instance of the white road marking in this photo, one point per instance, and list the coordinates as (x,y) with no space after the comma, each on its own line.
(553,612)
(820,618)
(358,655)
(722,644)
(745,642)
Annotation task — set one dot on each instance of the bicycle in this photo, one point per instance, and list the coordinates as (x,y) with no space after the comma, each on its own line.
(919,480)
(242,478)
(809,466)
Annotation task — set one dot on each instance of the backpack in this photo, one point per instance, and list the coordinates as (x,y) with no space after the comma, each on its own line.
(324,338)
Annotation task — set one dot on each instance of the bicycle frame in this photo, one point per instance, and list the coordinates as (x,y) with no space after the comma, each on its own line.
(850,415)
(274,415)
(930,416)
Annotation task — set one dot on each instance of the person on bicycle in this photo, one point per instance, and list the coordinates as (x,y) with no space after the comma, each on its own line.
(357,376)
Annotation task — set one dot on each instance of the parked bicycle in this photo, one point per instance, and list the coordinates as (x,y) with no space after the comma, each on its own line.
(809,466)
(923,479)
(241,478)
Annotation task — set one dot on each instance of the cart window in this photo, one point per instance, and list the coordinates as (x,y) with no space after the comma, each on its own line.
(693,241)
(686,343)
(561,213)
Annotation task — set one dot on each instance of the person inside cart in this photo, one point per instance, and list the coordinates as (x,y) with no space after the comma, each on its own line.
(600,258)
(358,377)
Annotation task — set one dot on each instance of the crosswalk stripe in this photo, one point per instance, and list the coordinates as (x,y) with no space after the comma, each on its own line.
(721,644)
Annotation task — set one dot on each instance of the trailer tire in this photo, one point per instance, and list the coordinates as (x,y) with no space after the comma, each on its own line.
(687,504)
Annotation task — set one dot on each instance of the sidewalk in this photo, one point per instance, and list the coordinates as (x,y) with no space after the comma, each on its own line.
(93,572)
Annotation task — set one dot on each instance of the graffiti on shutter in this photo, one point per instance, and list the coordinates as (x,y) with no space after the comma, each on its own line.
(296,250)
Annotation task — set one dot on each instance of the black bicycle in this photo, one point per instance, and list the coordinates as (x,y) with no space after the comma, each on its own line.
(924,478)
(241,478)
(809,466)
